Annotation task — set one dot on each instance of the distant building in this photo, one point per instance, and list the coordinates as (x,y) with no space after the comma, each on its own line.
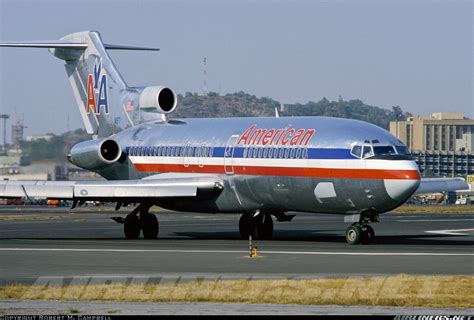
(442,143)
(46,137)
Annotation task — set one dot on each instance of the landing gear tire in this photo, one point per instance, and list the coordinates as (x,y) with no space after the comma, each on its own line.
(368,234)
(246,226)
(265,228)
(353,234)
(131,226)
(149,225)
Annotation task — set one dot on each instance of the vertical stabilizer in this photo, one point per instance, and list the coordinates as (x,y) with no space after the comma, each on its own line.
(106,104)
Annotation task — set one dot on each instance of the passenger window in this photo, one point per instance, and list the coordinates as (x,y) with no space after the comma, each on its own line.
(292,153)
(270,152)
(305,153)
(287,153)
(260,152)
(282,150)
(265,152)
(298,153)
(211,152)
(367,152)
(245,152)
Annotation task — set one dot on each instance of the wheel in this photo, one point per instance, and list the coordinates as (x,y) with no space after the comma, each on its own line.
(246,226)
(131,226)
(368,235)
(150,226)
(353,234)
(265,228)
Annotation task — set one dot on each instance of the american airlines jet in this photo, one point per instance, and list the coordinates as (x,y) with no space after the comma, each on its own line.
(259,167)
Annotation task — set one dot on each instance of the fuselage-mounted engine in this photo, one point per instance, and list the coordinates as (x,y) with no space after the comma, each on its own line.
(158,99)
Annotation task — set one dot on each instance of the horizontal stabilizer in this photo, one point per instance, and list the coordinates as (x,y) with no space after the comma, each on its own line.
(123,47)
(66,44)
(44,44)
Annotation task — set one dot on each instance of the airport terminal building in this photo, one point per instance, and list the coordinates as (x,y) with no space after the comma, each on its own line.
(442,143)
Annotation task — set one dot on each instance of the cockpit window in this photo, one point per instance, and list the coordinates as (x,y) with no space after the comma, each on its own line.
(356,151)
(402,150)
(367,152)
(384,150)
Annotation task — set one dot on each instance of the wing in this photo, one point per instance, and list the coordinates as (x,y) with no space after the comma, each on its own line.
(441,185)
(112,190)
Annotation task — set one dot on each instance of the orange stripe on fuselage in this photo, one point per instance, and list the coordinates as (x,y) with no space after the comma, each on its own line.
(285,171)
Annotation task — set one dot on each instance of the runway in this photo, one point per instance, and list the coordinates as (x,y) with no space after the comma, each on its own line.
(60,243)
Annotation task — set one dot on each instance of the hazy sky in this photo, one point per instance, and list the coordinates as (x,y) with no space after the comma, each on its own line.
(416,54)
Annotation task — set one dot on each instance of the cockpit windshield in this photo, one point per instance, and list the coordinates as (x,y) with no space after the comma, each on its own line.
(367,150)
(384,150)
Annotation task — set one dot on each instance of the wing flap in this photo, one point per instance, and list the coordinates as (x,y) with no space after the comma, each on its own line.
(105,189)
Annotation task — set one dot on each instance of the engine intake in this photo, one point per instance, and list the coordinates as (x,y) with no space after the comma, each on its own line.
(158,99)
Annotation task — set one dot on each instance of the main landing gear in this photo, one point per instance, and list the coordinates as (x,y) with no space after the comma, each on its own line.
(141,220)
(360,232)
(256,225)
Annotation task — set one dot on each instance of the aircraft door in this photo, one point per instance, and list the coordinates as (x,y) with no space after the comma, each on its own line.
(187,154)
(229,154)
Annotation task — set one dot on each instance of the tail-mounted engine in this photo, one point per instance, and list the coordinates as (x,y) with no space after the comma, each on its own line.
(158,99)
(95,154)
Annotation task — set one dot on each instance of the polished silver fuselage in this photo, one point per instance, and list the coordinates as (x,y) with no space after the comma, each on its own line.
(270,164)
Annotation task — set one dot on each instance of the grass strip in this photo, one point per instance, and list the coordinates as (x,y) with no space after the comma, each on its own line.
(401,290)
(434,209)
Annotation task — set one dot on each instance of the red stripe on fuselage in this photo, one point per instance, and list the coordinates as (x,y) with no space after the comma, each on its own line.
(285,171)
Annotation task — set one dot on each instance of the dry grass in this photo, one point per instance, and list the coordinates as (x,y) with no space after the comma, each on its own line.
(401,290)
(435,209)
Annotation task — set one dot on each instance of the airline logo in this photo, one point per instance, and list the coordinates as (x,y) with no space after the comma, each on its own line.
(97,90)
(275,137)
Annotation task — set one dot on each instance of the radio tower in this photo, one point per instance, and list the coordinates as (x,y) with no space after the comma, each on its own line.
(204,73)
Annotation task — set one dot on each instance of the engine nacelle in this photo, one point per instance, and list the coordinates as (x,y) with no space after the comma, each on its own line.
(158,99)
(95,154)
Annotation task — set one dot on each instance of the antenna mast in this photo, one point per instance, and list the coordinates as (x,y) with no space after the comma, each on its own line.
(204,73)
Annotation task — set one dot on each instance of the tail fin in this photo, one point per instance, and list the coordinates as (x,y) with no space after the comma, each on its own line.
(104,99)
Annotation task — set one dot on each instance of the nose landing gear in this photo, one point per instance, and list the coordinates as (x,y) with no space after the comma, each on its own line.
(360,232)
(356,234)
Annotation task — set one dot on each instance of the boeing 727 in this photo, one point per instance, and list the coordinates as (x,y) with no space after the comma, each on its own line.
(259,167)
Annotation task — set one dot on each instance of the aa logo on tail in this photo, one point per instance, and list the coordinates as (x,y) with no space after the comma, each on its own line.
(97,90)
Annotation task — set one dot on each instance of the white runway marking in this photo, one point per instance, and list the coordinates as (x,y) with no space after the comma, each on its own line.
(335,253)
(434,220)
(452,232)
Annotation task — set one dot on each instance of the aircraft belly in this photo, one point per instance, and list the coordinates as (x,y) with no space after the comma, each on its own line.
(315,194)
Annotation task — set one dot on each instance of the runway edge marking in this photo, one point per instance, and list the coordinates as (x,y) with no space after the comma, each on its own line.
(245,252)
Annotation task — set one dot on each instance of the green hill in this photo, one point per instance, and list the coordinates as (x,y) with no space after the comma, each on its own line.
(240,104)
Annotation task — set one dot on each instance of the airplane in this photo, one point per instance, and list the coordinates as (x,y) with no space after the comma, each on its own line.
(263,168)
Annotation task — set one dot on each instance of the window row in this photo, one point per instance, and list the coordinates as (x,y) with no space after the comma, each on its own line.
(275,153)
(170,151)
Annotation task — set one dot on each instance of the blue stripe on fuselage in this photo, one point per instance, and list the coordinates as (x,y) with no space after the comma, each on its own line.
(218,152)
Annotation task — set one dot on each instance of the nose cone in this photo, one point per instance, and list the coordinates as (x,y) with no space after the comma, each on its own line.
(401,189)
